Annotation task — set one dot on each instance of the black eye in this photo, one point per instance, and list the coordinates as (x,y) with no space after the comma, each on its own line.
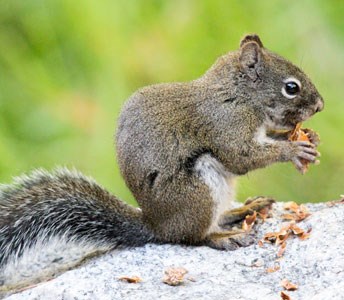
(292,88)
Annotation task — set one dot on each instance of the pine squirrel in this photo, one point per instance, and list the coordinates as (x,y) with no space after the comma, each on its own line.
(180,147)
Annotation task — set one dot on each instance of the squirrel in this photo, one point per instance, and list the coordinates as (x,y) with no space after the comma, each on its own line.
(180,147)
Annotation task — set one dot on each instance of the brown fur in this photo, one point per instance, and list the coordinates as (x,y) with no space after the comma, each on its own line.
(161,126)
(179,146)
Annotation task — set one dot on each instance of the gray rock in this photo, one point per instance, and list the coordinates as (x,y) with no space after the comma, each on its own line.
(316,265)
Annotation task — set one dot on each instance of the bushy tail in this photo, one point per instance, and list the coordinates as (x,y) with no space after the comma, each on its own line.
(53,221)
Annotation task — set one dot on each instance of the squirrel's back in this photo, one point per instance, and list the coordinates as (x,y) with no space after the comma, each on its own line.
(49,220)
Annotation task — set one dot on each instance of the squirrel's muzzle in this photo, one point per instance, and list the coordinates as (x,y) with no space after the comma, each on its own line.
(319,105)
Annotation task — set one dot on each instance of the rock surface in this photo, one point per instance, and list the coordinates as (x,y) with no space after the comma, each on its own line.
(316,265)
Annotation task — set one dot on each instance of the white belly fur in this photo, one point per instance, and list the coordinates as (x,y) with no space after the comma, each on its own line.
(221,185)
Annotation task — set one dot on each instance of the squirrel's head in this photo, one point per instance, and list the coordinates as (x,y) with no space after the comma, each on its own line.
(275,85)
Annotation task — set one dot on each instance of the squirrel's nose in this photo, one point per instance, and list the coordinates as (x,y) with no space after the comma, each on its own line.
(319,106)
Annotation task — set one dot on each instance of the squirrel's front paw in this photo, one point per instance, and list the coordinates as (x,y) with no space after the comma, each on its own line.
(300,151)
(312,136)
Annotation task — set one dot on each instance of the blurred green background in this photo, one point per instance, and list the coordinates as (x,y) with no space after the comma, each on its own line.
(66,67)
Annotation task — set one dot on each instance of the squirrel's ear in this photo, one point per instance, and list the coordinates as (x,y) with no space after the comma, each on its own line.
(251,38)
(250,57)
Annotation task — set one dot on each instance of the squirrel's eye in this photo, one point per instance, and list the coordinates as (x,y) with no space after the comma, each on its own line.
(291,88)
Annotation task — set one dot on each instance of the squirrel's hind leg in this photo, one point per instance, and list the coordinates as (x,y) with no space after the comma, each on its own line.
(199,194)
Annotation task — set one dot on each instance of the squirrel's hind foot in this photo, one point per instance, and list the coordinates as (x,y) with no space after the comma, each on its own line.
(230,240)
(233,216)
(236,238)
